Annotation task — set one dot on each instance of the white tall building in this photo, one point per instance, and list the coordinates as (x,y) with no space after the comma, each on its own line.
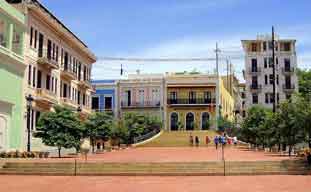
(258,72)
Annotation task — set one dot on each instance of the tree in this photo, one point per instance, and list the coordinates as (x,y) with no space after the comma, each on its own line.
(304,81)
(61,128)
(98,126)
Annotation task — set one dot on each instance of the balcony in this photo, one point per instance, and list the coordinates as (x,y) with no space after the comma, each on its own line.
(194,101)
(288,70)
(288,87)
(255,87)
(85,84)
(68,74)
(145,104)
(254,71)
(45,59)
(46,96)
(69,103)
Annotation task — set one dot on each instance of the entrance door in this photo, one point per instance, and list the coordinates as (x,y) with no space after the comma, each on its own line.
(174,122)
(190,121)
(3,127)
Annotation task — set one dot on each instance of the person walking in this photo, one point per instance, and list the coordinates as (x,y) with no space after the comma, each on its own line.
(197,141)
(191,140)
(207,140)
(216,140)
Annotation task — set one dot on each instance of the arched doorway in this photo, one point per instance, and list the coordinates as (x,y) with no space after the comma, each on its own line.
(3,126)
(174,122)
(205,121)
(189,121)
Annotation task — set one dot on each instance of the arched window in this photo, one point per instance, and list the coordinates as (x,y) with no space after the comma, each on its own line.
(189,121)
(205,121)
(174,121)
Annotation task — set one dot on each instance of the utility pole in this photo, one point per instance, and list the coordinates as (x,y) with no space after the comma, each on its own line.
(217,86)
(273,68)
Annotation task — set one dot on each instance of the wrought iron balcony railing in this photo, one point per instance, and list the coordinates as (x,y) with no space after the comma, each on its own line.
(125,104)
(191,101)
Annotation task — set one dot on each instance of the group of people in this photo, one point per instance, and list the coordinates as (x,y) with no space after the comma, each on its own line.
(218,140)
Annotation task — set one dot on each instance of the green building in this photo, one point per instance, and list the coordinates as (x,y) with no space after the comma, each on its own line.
(12,69)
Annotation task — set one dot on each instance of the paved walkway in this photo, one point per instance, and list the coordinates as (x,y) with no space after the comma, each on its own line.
(173,154)
(155,184)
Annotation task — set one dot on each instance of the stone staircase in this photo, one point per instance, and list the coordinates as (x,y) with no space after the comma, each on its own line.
(211,168)
(178,138)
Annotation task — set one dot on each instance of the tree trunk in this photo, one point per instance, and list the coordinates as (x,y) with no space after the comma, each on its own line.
(59,149)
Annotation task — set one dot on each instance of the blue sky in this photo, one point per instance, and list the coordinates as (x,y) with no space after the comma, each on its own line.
(180,29)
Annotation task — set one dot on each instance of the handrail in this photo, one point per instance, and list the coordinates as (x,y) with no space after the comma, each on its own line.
(146,136)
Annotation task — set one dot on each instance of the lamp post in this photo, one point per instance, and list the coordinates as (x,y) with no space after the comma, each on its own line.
(29,100)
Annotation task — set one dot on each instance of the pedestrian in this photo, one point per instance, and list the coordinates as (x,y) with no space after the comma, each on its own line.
(191,139)
(207,140)
(216,141)
(197,141)
(235,140)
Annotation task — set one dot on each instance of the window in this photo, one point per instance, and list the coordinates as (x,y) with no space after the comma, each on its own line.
(17,41)
(192,97)
(264,46)
(173,97)
(254,81)
(278,98)
(270,62)
(254,47)
(254,65)
(277,79)
(174,121)
(38,113)
(29,74)
(271,79)
(36,37)
(95,103)
(265,62)
(39,79)
(287,81)
(48,80)
(31,36)
(270,45)
(287,64)
(34,77)
(286,46)
(205,121)
(271,98)
(207,97)
(255,98)
(65,90)
(266,79)
(55,85)
(108,103)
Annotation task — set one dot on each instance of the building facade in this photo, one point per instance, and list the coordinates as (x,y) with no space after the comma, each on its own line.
(59,65)
(106,96)
(12,69)
(259,74)
(142,93)
(190,102)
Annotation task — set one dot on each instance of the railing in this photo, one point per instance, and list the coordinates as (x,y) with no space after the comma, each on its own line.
(254,70)
(140,104)
(191,101)
(44,57)
(255,87)
(288,69)
(46,94)
(288,87)
(146,136)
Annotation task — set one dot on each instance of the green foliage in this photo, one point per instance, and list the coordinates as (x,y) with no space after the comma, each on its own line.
(98,126)
(61,128)
(304,81)
(289,126)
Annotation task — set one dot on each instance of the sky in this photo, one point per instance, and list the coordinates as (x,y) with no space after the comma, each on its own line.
(180,29)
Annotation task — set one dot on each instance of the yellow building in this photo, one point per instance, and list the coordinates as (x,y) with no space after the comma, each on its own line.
(191,101)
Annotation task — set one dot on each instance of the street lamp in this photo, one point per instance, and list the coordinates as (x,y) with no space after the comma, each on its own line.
(29,100)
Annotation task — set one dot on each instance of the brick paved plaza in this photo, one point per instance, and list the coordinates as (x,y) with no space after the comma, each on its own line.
(156,184)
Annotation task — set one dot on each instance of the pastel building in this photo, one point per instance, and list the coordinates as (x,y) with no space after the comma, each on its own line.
(59,65)
(12,69)
(142,93)
(190,101)
(258,72)
(105,97)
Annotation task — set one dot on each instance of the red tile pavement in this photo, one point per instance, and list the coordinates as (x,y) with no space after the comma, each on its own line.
(174,154)
(155,184)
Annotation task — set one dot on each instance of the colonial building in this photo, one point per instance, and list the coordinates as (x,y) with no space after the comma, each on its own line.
(190,101)
(142,93)
(12,69)
(59,64)
(106,96)
(258,70)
